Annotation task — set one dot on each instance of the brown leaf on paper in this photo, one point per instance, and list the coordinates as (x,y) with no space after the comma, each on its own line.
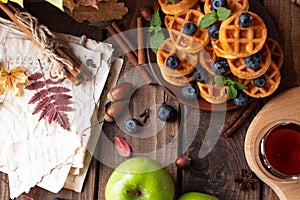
(13,81)
(122,146)
(107,11)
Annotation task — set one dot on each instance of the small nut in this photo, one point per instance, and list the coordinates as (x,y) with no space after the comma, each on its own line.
(183,162)
(120,92)
(113,110)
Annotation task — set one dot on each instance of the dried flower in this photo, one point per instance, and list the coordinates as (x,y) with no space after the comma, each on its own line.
(246,180)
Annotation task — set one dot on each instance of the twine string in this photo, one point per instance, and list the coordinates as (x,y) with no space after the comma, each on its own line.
(45,38)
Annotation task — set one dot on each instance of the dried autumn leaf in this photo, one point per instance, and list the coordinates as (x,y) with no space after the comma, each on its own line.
(107,11)
(122,146)
(13,81)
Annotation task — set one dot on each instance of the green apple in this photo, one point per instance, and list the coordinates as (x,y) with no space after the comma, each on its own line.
(197,196)
(141,179)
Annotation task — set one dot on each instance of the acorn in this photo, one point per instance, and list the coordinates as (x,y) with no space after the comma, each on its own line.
(183,162)
(120,92)
(113,110)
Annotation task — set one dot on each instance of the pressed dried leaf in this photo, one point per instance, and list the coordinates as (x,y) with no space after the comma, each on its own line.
(45,111)
(64,108)
(63,120)
(63,102)
(41,105)
(58,89)
(49,81)
(122,146)
(35,76)
(58,97)
(35,85)
(38,96)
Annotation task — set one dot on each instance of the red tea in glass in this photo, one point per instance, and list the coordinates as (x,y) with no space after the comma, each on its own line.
(280,150)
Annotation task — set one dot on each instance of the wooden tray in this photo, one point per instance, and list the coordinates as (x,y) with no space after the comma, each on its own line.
(175,91)
(283,107)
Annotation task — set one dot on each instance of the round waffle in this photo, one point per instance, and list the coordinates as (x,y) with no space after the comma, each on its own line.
(242,42)
(178,81)
(193,43)
(219,51)
(206,58)
(213,93)
(238,68)
(233,5)
(276,52)
(273,79)
(170,8)
(187,61)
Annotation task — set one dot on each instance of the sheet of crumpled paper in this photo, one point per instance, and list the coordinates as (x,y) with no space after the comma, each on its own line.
(34,152)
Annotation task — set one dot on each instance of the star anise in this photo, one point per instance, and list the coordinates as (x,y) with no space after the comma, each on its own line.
(246,180)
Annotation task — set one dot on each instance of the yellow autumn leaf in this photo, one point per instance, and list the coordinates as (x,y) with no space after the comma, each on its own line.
(4,1)
(20,2)
(57,3)
(13,81)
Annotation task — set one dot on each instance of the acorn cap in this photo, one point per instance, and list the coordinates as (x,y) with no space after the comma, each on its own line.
(120,92)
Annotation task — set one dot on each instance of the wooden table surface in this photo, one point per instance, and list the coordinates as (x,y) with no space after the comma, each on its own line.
(213,173)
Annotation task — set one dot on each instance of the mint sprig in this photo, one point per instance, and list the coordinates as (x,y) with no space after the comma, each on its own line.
(232,86)
(210,18)
(155,26)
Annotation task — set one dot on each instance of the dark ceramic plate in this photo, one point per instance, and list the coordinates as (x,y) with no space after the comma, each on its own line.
(175,91)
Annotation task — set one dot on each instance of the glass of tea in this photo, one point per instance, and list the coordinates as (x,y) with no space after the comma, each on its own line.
(280,149)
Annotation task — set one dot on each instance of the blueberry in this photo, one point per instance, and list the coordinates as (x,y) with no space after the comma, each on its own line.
(220,67)
(213,31)
(190,91)
(245,20)
(260,81)
(253,61)
(173,62)
(131,125)
(166,112)
(241,99)
(189,28)
(200,75)
(215,4)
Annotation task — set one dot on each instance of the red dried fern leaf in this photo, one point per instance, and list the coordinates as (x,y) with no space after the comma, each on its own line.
(35,85)
(59,97)
(64,108)
(58,89)
(52,115)
(49,81)
(45,111)
(35,76)
(38,96)
(42,104)
(63,102)
(63,120)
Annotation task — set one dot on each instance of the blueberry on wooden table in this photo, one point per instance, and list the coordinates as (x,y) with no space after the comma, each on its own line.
(200,75)
(131,125)
(166,112)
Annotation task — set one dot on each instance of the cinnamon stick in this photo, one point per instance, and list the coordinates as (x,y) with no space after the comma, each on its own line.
(131,57)
(237,118)
(141,52)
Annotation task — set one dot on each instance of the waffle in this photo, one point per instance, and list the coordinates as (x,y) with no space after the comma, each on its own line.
(206,58)
(213,93)
(239,69)
(191,44)
(178,81)
(219,51)
(242,42)
(187,61)
(273,79)
(170,8)
(276,52)
(233,5)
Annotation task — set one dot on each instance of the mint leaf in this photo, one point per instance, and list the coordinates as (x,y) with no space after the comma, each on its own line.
(231,91)
(155,41)
(208,19)
(223,13)
(155,22)
(232,86)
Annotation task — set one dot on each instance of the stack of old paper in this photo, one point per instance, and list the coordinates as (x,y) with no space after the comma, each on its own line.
(35,152)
